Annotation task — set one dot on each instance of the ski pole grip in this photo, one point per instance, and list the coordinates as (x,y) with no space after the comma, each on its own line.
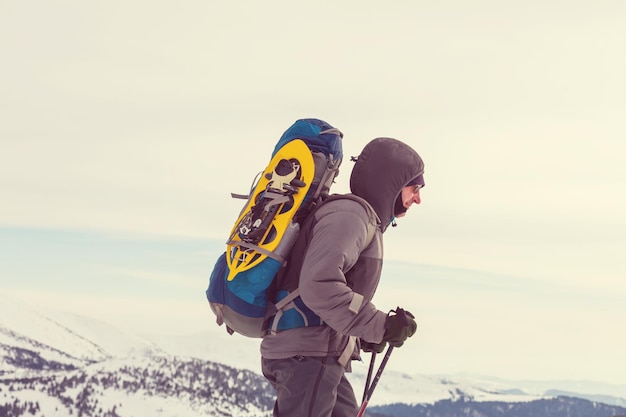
(400,312)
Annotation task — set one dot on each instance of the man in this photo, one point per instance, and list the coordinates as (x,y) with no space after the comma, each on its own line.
(336,264)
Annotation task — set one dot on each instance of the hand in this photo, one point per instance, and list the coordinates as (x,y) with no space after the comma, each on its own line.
(399,327)
(373,347)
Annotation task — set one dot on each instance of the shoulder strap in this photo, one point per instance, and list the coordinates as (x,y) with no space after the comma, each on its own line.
(374,221)
(373,224)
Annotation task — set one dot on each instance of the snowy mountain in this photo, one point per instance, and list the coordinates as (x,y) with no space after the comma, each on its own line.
(550,407)
(55,365)
(397,387)
(51,340)
(139,386)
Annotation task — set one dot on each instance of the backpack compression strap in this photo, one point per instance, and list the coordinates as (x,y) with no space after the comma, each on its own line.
(280,307)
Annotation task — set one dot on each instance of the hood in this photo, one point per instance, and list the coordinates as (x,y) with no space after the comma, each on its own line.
(380,172)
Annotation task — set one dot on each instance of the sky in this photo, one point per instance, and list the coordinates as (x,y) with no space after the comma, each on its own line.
(126,125)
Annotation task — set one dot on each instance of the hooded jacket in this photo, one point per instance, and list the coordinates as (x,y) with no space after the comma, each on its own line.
(384,167)
(336,263)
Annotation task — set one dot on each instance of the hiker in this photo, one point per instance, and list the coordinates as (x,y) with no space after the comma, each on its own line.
(336,262)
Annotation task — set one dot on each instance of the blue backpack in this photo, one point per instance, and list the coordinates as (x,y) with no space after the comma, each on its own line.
(303,166)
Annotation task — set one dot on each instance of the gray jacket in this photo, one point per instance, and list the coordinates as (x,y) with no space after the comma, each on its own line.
(333,264)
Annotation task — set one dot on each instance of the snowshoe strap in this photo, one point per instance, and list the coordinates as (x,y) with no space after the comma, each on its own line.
(254,183)
(258,249)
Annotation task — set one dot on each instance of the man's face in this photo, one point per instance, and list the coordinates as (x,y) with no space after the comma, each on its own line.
(410,196)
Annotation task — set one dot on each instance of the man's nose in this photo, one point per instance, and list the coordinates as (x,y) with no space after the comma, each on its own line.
(416,197)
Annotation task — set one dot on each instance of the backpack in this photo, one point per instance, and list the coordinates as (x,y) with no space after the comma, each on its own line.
(303,166)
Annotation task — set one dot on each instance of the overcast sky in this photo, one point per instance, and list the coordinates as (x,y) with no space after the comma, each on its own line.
(136,119)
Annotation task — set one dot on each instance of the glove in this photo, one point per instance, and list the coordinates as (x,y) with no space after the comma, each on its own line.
(399,327)
(373,347)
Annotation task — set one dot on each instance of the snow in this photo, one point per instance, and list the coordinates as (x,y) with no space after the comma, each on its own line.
(48,406)
(97,347)
(215,345)
(396,387)
(77,337)
(132,405)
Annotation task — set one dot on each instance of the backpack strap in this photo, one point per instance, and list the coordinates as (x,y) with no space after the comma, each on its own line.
(330,172)
(374,223)
(277,310)
(347,352)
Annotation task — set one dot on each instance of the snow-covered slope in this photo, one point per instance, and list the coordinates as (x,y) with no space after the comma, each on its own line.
(49,344)
(242,352)
(238,351)
(54,340)
(139,387)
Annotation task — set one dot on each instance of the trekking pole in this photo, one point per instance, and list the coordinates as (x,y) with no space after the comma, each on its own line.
(369,375)
(370,390)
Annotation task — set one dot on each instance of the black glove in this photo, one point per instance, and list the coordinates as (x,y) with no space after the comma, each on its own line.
(373,347)
(399,327)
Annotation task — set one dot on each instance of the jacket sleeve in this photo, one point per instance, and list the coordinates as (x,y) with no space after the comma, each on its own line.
(338,238)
